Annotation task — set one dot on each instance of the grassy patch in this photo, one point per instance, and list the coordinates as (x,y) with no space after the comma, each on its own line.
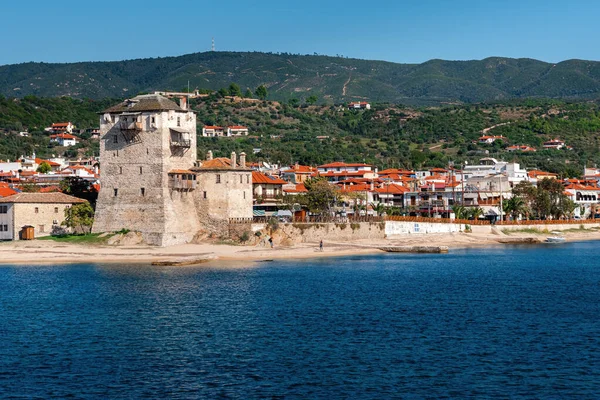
(533,231)
(91,238)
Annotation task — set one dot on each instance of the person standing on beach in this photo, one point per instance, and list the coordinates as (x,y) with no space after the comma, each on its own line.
(321,245)
(271,242)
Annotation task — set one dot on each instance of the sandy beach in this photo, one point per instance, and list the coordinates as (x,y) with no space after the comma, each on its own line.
(50,252)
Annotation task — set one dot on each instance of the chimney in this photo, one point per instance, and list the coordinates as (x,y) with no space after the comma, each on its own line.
(209,155)
(183,102)
(296,165)
(233,160)
(243,160)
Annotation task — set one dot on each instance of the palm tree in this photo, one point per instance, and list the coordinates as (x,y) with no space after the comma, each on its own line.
(475,212)
(460,212)
(514,206)
(379,208)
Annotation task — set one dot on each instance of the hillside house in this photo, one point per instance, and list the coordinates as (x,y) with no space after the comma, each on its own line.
(556,144)
(490,139)
(213,131)
(521,148)
(237,130)
(64,139)
(359,105)
(42,211)
(62,127)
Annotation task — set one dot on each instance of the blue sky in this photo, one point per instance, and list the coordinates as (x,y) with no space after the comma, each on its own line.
(406,31)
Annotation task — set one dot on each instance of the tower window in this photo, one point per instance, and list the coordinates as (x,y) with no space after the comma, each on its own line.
(55,210)
(121,170)
(37,210)
(141,171)
(115,139)
(153,119)
(178,121)
(241,178)
(218,178)
(116,192)
(204,194)
(143,191)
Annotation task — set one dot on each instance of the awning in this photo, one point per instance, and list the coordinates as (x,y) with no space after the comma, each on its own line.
(179,130)
(283,213)
(258,213)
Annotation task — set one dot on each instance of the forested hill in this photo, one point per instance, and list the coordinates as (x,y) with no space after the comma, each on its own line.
(331,79)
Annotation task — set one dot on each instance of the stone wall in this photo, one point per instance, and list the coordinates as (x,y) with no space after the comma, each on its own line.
(293,233)
(395,229)
(218,200)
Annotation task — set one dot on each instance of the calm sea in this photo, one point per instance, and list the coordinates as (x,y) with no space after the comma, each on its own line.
(517,322)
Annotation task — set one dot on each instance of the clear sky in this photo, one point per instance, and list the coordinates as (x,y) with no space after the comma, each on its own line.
(406,31)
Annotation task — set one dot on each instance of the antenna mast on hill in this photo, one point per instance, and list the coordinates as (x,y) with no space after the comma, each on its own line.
(212,47)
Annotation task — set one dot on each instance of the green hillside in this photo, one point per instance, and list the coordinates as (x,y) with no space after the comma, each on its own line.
(387,135)
(332,79)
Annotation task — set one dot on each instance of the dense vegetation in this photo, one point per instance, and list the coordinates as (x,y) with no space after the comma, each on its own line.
(387,135)
(34,114)
(332,79)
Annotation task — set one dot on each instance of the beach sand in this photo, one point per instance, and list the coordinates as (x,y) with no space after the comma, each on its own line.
(50,252)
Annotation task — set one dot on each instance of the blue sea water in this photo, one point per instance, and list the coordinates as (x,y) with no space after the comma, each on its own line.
(516,322)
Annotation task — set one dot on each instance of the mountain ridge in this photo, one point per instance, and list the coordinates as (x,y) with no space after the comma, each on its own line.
(332,79)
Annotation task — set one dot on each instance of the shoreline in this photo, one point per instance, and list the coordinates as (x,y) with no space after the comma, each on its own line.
(47,252)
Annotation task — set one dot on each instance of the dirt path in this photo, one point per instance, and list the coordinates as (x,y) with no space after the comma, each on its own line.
(346,84)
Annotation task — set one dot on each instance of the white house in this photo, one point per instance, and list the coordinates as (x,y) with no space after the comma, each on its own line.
(554,144)
(490,139)
(213,131)
(237,130)
(62,127)
(64,139)
(362,105)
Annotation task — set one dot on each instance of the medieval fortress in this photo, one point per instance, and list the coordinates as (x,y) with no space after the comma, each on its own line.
(152,181)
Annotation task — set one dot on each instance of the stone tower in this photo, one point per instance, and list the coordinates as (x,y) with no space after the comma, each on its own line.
(147,145)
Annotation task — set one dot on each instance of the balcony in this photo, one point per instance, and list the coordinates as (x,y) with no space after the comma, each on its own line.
(180,138)
(182,181)
(130,126)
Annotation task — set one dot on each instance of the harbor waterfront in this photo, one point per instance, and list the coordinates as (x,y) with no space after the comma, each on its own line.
(501,322)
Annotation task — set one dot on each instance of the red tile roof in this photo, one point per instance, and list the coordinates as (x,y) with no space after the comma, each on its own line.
(396,171)
(6,191)
(260,178)
(535,173)
(300,188)
(392,189)
(63,136)
(51,163)
(342,164)
(50,189)
(302,169)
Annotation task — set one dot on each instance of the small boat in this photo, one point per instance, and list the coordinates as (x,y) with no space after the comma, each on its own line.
(557,238)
